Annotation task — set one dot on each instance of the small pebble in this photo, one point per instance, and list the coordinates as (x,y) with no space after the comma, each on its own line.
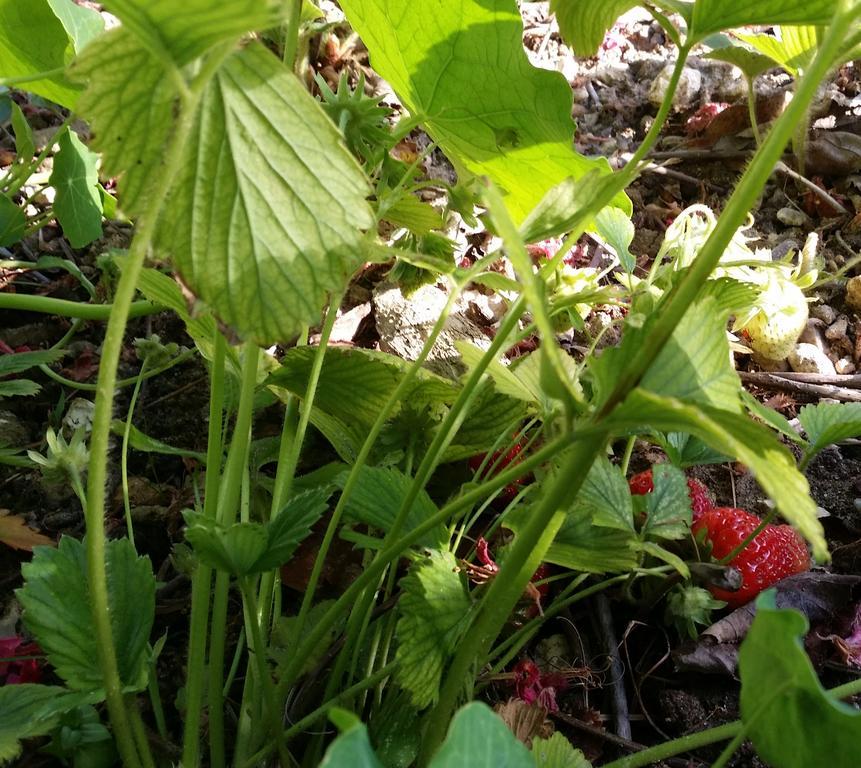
(827,314)
(808,358)
(812,334)
(844,366)
(687,91)
(837,330)
(853,293)
(792,217)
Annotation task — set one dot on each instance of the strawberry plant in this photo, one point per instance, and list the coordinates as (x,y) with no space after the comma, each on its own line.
(263,202)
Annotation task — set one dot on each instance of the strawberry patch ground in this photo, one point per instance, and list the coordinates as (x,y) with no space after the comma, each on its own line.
(615,672)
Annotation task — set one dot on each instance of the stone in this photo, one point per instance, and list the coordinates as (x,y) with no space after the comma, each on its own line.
(690,83)
(853,293)
(844,366)
(812,334)
(837,330)
(792,217)
(808,358)
(824,312)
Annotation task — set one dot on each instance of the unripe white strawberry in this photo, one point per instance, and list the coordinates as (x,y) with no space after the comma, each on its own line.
(775,329)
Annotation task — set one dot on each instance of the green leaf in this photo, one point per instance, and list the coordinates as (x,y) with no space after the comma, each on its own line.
(20,388)
(13,222)
(25,147)
(417,216)
(33,41)
(793,50)
(183,32)
(664,555)
(507,380)
(716,15)
(790,718)
(668,507)
(565,206)
(735,435)
(28,710)
(750,63)
(352,748)
(129,103)
(557,752)
(377,496)
(606,497)
(57,611)
(770,416)
(460,66)
(478,738)
(583,546)
(828,423)
(243,549)
(695,364)
(277,225)
(434,608)
(81,24)
(618,230)
(143,442)
(78,204)
(583,23)
(686,450)
(21,361)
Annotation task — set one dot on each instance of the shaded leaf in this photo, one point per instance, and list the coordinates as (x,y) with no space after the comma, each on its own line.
(828,423)
(21,361)
(417,216)
(557,752)
(19,388)
(583,23)
(15,533)
(377,496)
(143,442)
(788,715)
(352,748)
(749,62)
(13,222)
(81,24)
(78,203)
(668,507)
(57,611)
(25,147)
(605,496)
(434,607)
(278,223)
(461,67)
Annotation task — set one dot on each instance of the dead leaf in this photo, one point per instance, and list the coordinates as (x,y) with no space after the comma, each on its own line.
(525,721)
(833,153)
(15,533)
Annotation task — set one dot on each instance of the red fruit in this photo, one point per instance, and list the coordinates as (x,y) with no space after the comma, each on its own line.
(773,554)
(701,500)
(498,463)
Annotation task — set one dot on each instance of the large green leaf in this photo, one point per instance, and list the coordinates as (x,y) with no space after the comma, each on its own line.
(793,50)
(478,738)
(81,24)
(695,364)
(605,497)
(352,748)
(557,752)
(57,611)
(377,496)
(28,710)
(790,718)
(129,103)
(434,608)
(185,30)
(78,204)
(583,23)
(668,507)
(266,213)
(715,15)
(32,41)
(828,423)
(460,66)
(735,435)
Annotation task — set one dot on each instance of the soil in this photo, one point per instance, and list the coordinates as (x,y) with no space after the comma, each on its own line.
(613,111)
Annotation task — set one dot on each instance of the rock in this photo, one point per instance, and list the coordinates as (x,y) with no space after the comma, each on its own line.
(14,431)
(812,334)
(844,366)
(404,325)
(688,89)
(792,217)
(853,293)
(837,329)
(827,314)
(808,358)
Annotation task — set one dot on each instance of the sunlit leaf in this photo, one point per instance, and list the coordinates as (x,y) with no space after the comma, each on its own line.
(716,15)
(583,23)
(82,24)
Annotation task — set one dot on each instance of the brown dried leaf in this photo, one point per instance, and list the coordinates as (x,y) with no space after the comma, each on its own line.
(833,153)
(525,721)
(15,533)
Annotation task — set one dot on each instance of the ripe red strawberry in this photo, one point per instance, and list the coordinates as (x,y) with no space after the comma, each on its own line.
(776,552)
(497,463)
(701,500)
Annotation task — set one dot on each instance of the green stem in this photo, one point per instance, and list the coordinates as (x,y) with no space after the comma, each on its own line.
(677,746)
(202,579)
(139,732)
(48,306)
(751,110)
(124,454)
(227,507)
(97,476)
(292,26)
(14,82)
